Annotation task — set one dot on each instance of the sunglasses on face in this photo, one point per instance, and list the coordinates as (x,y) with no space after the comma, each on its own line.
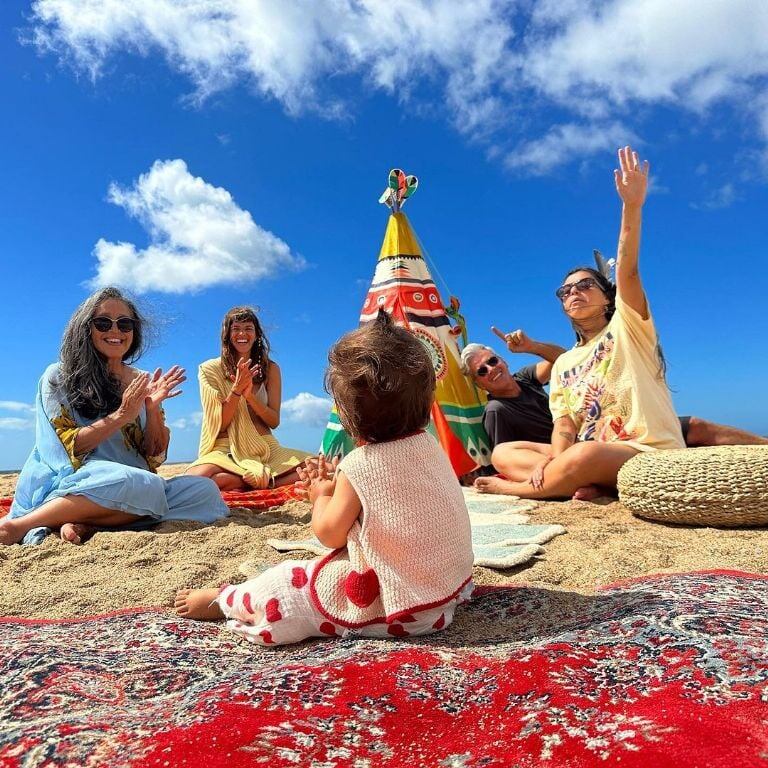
(482,370)
(564,291)
(104,324)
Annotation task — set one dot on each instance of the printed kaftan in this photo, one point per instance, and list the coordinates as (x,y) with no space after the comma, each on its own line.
(116,474)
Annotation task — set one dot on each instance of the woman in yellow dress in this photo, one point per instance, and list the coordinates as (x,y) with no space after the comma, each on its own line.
(240,393)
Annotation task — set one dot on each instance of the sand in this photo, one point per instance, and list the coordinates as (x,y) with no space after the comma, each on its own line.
(604,544)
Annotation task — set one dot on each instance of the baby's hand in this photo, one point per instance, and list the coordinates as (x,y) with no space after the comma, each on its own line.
(316,477)
(320,488)
(301,489)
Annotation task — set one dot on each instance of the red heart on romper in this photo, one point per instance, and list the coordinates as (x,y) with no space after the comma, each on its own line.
(440,623)
(328,629)
(231,598)
(266,636)
(299,578)
(247,602)
(397,630)
(272,611)
(362,588)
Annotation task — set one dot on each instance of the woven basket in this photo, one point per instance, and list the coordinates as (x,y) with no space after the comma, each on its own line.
(724,486)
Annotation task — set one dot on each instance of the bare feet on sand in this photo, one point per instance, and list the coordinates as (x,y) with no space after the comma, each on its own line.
(76,533)
(198,604)
(10,532)
(494,485)
(592,492)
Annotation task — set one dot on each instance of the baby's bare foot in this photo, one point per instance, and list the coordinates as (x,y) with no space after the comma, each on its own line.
(76,533)
(198,604)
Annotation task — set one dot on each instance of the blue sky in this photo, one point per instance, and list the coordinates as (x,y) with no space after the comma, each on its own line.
(228,153)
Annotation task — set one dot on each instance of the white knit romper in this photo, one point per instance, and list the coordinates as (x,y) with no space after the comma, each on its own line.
(406,566)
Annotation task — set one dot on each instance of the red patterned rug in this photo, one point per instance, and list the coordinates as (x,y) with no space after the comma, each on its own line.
(666,671)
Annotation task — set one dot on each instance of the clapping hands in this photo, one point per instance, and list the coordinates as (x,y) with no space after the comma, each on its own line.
(316,477)
(163,386)
(133,398)
(243,379)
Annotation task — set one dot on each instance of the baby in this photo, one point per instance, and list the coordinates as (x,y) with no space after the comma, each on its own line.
(393,515)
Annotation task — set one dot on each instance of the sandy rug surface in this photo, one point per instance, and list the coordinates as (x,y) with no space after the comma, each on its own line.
(604,544)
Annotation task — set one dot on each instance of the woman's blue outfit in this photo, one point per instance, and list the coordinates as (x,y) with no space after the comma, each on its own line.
(116,474)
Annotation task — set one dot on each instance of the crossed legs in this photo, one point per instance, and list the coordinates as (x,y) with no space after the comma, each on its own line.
(228,481)
(74,515)
(579,467)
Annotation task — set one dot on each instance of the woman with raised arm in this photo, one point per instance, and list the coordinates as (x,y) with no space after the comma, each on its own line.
(241,396)
(608,394)
(101,435)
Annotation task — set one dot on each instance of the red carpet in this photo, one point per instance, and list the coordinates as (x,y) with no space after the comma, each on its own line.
(666,671)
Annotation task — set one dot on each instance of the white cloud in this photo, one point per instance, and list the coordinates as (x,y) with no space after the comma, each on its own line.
(499,66)
(15,423)
(14,405)
(307,409)
(194,419)
(562,143)
(287,50)
(684,52)
(722,197)
(199,237)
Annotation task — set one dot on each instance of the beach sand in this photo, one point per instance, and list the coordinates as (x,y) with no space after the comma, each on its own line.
(604,544)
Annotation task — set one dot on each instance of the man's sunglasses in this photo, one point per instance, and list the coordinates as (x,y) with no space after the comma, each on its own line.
(104,324)
(482,370)
(580,285)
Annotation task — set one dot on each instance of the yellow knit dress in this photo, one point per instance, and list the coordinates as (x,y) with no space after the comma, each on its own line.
(257,458)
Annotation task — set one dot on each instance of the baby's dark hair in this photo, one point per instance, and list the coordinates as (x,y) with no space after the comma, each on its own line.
(382,380)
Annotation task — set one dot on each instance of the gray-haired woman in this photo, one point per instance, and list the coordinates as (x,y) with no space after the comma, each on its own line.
(101,435)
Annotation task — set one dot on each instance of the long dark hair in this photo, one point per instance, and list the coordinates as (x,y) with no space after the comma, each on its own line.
(609,289)
(259,350)
(85,378)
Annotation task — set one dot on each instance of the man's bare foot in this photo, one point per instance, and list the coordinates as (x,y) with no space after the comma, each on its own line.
(76,533)
(494,485)
(592,492)
(198,604)
(10,531)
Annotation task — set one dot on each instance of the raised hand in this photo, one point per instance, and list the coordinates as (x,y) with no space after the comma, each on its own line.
(133,398)
(516,341)
(631,178)
(164,385)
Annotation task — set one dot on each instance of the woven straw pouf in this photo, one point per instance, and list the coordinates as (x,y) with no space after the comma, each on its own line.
(724,486)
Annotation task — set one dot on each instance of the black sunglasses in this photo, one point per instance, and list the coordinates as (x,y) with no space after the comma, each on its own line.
(482,370)
(104,324)
(580,285)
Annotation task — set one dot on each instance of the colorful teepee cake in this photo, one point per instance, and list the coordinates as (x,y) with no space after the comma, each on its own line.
(404,288)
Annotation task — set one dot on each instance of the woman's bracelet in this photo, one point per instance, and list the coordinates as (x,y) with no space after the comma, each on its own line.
(236,394)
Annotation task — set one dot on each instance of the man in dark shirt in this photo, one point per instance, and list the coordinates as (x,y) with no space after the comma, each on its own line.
(518,404)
